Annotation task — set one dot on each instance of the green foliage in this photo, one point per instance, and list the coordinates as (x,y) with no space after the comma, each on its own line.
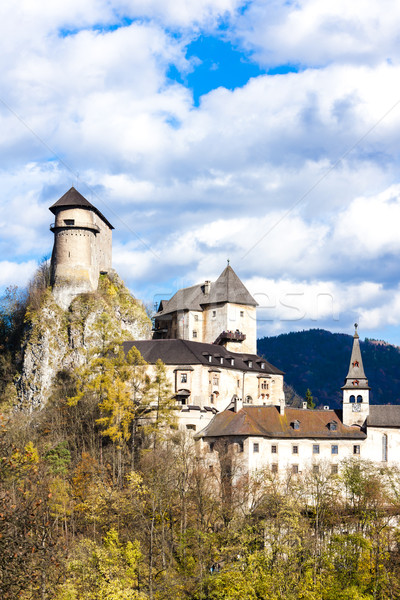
(310,400)
(59,458)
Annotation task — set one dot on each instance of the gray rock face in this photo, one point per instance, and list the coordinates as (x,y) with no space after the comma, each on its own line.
(58,339)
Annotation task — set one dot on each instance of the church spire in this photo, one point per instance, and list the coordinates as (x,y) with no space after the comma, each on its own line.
(355,389)
(356,368)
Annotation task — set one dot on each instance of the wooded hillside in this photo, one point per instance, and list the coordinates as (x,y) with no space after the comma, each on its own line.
(319,360)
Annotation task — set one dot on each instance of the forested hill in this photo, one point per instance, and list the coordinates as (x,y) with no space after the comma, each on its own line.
(319,360)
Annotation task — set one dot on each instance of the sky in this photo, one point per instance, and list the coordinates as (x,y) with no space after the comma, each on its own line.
(263,132)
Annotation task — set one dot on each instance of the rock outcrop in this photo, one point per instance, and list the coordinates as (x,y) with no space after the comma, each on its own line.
(57,339)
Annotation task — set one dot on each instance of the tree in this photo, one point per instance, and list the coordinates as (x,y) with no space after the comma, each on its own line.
(310,399)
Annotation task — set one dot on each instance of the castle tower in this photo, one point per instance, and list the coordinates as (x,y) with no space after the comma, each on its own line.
(355,390)
(82,247)
(222,312)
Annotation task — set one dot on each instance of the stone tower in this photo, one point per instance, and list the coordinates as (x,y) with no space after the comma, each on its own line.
(222,312)
(82,247)
(355,390)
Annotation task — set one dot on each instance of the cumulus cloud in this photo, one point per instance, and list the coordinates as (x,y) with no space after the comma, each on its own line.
(293,177)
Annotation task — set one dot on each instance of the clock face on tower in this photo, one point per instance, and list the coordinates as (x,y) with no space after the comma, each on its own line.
(356,407)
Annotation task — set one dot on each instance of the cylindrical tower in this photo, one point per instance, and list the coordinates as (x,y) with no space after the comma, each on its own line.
(82,246)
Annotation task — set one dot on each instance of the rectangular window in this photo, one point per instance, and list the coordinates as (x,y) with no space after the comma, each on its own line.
(215,380)
(183,377)
(295,469)
(315,469)
(194,333)
(211,447)
(315,449)
(191,427)
(334,469)
(264,385)
(295,449)
(242,313)
(238,382)
(334,449)
(356,449)
(274,468)
(196,317)
(256,447)
(214,313)
(274,449)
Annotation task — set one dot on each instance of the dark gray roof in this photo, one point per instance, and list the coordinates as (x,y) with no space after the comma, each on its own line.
(356,368)
(185,352)
(227,288)
(384,416)
(266,421)
(74,199)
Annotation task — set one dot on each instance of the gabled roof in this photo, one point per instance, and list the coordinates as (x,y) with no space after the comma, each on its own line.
(73,199)
(227,288)
(356,368)
(384,416)
(185,352)
(266,421)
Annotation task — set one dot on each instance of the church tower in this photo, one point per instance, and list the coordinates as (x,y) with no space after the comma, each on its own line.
(355,390)
(82,247)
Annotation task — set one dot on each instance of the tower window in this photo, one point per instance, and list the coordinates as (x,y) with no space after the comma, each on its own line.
(359,399)
(194,333)
(69,221)
(184,378)
(196,317)
(242,313)
(352,399)
(214,313)
(256,447)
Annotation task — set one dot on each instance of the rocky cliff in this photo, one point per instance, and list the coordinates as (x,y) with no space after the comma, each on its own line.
(57,339)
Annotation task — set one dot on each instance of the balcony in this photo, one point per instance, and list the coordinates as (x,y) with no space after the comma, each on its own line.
(230,336)
(90,226)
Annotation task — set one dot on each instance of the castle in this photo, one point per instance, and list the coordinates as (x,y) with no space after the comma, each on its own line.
(82,247)
(224,392)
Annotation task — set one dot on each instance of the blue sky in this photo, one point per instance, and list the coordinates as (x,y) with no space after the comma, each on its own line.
(265,132)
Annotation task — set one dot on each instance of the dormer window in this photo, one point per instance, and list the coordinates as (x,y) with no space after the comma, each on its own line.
(250,363)
(296,425)
(221,360)
(356,363)
(332,426)
(263,365)
(232,362)
(209,358)
(355,382)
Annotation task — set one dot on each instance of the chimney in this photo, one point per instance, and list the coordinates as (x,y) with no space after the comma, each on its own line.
(207,286)
(238,404)
(282,406)
(304,405)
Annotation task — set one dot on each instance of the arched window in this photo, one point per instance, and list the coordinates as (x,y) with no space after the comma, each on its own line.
(249,400)
(384,447)
(359,399)
(352,399)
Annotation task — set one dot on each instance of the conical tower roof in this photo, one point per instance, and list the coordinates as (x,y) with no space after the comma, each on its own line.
(356,368)
(229,288)
(74,199)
